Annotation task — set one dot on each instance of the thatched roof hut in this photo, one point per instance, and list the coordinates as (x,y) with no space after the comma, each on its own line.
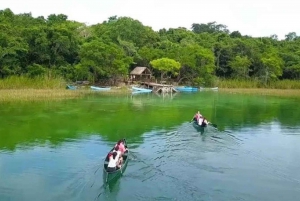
(139,73)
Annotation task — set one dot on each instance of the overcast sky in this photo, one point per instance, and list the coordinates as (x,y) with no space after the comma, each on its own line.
(250,17)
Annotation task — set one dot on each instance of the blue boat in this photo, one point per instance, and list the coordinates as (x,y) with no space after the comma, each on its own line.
(70,87)
(100,88)
(186,89)
(137,89)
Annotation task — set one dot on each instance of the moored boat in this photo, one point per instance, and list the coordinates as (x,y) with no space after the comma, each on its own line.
(141,92)
(141,89)
(100,88)
(186,88)
(110,176)
(213,88)
(71,87)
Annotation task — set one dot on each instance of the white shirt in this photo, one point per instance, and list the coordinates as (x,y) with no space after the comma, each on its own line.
(200,121)
(112,162)
(118,153)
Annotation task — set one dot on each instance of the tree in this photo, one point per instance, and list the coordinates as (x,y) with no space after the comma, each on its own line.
(272,66)
(103,60)
(240,66)
(166,65)
(290,36)
(235,34)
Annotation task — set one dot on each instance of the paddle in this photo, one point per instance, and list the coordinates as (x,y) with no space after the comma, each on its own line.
(130,152)
(214,125)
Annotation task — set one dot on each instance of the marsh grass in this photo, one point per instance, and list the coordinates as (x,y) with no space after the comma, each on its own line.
(23,82)
(254,84)
(10,95)
(7,95)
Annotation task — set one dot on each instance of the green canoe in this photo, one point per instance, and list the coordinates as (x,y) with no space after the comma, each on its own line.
(110,176)
(199,128)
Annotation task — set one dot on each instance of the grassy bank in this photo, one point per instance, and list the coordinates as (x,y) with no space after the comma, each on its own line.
(23,82)
(42,88)
(7,95)
(254,84)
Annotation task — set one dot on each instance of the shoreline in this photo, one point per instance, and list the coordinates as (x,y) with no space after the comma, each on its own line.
(9,95)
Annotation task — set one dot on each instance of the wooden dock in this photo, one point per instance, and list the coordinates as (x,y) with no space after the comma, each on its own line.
(162,88)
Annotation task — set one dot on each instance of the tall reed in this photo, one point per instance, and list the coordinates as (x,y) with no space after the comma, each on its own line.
(24,82)
(278,84)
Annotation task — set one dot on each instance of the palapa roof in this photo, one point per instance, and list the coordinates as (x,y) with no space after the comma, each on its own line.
(140,70)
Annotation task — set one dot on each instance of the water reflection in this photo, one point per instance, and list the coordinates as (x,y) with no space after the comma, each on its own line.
(59,148)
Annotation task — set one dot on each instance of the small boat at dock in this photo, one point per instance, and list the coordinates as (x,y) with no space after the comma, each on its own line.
(209,89)
(100,88)
(71,87)
(186,89)
(141,89)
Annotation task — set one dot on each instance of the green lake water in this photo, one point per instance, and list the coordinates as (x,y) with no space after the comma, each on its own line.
(55,150)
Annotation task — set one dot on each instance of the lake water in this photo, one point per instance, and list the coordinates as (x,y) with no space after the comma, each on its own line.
(55,150)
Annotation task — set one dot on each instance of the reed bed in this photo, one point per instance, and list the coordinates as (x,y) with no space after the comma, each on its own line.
(23,82)
(254,84)
(7,95)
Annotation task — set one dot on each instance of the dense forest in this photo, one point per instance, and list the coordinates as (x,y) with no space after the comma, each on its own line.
(56,46)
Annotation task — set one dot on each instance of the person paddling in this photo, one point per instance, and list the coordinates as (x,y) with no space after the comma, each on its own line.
(203,122)
(121,146)
(197,116)
(113,162)
(119,155)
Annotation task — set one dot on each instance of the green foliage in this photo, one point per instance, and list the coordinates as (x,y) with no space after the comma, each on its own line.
(35,70)
(103,59)
(166,65)
(38,82)
(240,66)
(56,46)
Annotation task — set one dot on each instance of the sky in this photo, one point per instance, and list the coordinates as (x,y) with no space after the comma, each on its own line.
(257,18)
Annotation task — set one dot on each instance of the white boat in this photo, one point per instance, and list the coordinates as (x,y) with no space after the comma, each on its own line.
(207,89)
(141,89)
(100,88)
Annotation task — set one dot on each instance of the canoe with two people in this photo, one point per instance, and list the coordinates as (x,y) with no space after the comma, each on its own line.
(200,119)
(116,156)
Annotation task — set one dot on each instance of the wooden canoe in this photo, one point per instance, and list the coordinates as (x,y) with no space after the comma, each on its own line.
(110,176)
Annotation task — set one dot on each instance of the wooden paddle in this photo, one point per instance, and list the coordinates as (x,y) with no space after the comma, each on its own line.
(214,125)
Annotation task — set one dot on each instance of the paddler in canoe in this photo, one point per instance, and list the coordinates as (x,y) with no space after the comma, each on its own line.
(200,120)
(197,116)
(116,156)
